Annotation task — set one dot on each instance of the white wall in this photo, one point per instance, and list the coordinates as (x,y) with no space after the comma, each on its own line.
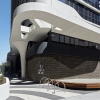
(5,90)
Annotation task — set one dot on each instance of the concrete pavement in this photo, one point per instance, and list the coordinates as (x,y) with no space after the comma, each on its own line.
(27,90)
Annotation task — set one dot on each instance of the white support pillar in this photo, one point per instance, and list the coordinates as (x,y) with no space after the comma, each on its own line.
(21,46)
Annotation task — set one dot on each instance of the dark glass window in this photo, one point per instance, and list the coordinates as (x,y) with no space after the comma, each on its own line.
(55,37)
(85,12)
(62,38)
(90,45)
(81,42)
(76,41)
(93,45)
(89,2)
(92,15)
(62,1)
(71,3)
(67,2)
(76,6)
(81,9)
(94,3)
(89,13)
(67,39)
(86,43)
(97,46)
(72,40)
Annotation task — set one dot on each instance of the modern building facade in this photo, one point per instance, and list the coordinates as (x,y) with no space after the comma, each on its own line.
(55,38)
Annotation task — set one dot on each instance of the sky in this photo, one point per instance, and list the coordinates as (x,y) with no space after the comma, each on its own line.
(5,11)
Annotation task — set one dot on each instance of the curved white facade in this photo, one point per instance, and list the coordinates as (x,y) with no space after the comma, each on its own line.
(49,15)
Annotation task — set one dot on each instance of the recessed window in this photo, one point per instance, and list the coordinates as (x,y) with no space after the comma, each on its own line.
(62,38)
(71,3)
(86,43)
(27,23)
(84,11)
(97,46)
(93,45)
(90,44)
(55,37)
(72,41)
(67,2)
(76,42)
(67,39)
(62,0)
(81,42)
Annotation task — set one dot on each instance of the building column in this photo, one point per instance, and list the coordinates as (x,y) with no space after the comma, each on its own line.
(21,46)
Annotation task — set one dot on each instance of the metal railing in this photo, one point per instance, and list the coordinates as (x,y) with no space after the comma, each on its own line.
(58,85)
(50,81)
(42,79)
(45,79)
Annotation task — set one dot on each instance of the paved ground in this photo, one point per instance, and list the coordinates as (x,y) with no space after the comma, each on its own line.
(86,81)
(27,90)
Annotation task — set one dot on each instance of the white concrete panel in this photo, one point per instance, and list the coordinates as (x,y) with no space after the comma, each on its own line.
(5,90)
(25,29)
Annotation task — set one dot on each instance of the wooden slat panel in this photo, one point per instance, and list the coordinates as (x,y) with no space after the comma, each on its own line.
(79,85)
